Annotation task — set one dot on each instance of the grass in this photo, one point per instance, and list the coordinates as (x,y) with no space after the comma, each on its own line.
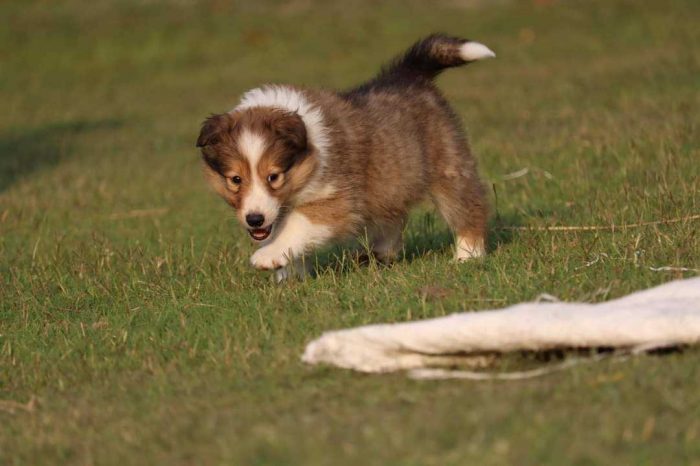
(130,317)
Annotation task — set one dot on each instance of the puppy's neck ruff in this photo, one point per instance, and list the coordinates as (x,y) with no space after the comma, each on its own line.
(291,100)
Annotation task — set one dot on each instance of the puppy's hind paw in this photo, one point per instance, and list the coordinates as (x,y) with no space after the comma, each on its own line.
(469,247)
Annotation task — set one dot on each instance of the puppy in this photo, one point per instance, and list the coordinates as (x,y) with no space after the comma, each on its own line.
(305,167)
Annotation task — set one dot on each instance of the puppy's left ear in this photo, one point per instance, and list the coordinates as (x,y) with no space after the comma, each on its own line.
(214,129)
(290,128)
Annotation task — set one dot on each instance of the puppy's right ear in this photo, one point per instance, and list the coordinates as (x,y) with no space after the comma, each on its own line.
(214,129)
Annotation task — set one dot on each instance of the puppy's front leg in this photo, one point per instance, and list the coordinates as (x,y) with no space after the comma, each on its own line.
(296,237)
(299,267)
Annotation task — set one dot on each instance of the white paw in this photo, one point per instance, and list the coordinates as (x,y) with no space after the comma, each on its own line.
(463,255)
(269,258)
(469,248)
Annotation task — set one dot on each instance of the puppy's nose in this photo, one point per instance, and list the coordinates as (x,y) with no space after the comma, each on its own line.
(255,220)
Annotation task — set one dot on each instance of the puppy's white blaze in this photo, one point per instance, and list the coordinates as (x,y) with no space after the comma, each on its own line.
(258,200)
(251,146)
(469,248)
(472,51)
(291,100)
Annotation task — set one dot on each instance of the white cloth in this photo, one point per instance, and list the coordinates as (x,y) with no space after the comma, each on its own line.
(662,316)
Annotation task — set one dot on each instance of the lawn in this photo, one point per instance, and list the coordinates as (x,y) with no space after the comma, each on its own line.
(133,330)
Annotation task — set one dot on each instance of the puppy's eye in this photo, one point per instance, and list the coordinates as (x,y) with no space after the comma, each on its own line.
(275,180)
(236,179)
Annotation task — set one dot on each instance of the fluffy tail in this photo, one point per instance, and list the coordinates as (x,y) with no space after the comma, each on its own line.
(429,56)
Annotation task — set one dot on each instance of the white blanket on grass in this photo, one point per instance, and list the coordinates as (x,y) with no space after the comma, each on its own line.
(666,315)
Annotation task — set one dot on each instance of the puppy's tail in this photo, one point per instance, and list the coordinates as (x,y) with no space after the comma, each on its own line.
(428,57)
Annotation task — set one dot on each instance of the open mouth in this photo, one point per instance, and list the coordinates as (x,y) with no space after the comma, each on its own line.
(260,234)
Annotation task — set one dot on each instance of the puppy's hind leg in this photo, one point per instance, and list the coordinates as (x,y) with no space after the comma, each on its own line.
(386,241)
(462,202)
(469,245)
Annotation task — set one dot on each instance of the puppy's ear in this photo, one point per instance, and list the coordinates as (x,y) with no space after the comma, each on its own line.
(215,128)
(215,180)
(290,128)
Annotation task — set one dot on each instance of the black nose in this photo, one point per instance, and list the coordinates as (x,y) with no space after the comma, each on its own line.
(255,220)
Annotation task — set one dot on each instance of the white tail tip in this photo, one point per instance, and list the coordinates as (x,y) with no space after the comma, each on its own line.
(472,51)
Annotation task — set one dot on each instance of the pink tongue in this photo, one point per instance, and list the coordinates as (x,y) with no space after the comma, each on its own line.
(259,233)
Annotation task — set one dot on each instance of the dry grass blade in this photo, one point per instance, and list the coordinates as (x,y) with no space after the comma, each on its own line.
(11,406)
(138,213)
(600,227)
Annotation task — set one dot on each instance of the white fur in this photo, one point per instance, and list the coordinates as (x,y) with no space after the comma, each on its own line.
(296,236)
(468,248)
(251,146)
(257,199)
(293,100)
(472,51)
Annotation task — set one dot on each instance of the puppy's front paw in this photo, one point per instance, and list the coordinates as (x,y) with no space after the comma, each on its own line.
(269,258)
(281,275)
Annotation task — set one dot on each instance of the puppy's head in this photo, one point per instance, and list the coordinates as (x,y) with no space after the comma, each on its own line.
(257,159)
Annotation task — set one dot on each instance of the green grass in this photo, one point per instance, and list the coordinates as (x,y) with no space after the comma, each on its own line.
(148,339)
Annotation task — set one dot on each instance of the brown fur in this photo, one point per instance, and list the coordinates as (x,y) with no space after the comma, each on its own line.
(392,142)
(287,154)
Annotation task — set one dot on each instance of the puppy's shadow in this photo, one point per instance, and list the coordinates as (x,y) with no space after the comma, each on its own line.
(501,230)
(25,152)
(425,234)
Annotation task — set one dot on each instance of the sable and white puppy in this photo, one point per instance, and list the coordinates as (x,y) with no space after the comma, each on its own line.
(305,167)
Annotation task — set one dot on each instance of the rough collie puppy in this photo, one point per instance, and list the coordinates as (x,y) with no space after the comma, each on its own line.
(304,167)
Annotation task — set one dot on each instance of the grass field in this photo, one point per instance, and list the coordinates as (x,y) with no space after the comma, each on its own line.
(133,331)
